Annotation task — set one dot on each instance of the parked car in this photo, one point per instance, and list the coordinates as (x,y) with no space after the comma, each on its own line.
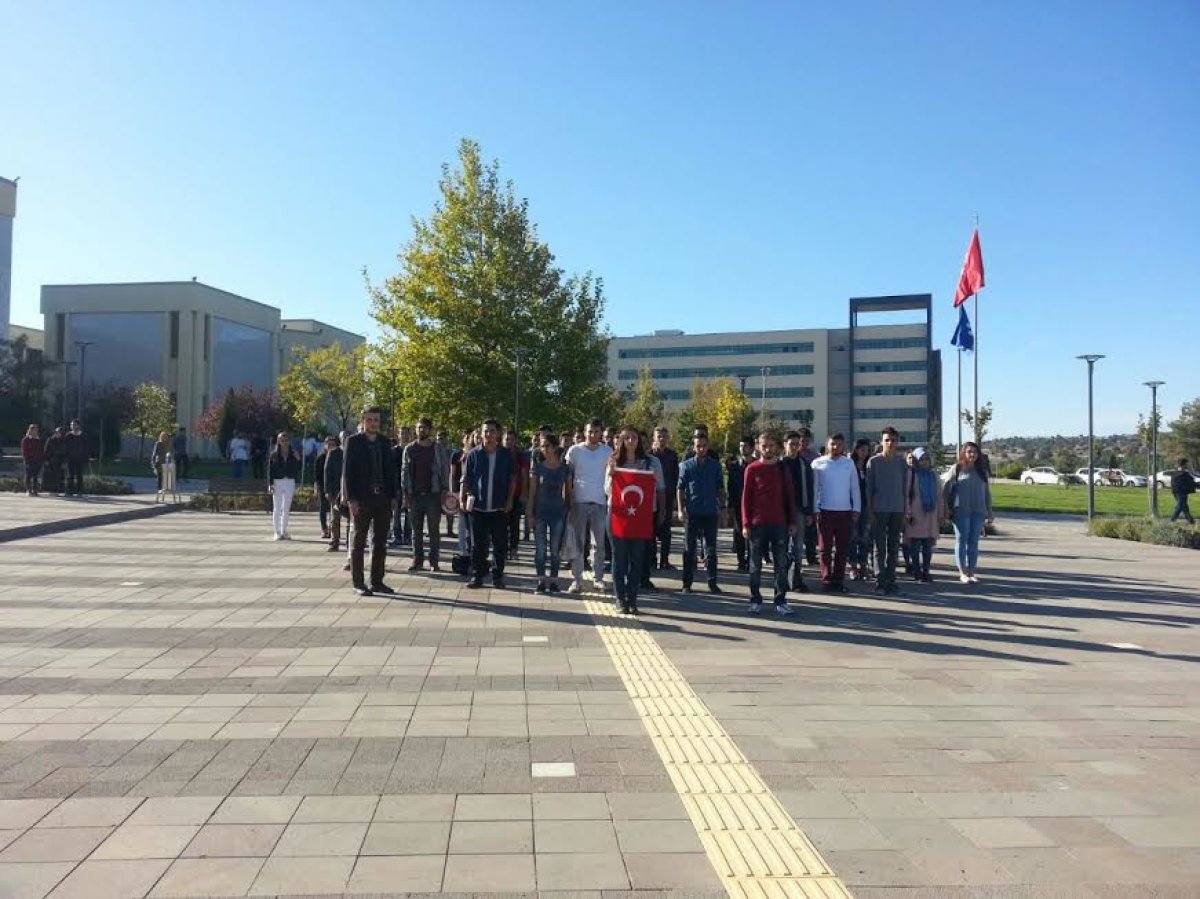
(1043,474)
(1112,477)
(1164,477)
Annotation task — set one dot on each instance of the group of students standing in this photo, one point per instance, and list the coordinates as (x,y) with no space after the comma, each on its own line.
(857,515)
(55,464)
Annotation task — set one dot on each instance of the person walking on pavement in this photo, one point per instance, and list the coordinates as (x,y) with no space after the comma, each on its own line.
(587,503)
(369,485)
(768,518)
(424,472)
(736,470)
(488,488)
(283,472)
(921,514)
(838,507)
(967,501)
(77,456)
(700,492)
(886,477)
(33,454)
(1183,485)
(547,510)
(179,454)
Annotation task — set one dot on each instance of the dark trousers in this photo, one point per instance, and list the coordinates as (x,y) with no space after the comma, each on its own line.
(74,477)
(810,542)
(402,527)
(335,526)
(772,537)
(258,467)
(886,528)
(426,511)
(323,511)
(1181,508)
(834,530)
(739,540)
(181,466)
(662,536)
(628,559)
(33,471)
(52,477)
(696,527)
(374,515)
(514,526)
(488,528)
(920,553)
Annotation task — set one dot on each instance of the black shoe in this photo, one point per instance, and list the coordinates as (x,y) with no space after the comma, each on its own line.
(713,587)
(626,608)
(647,585)
(498,581)
(381,587)
(880,590)
(687,588)
(363,590)
(664,565)
(552,587)
(475,584)
(541,587)
(801,587)
(416,566)
(743,567)
(633,609)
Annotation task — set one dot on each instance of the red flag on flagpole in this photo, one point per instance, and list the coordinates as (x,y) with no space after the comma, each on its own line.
(971,280)
(632,509)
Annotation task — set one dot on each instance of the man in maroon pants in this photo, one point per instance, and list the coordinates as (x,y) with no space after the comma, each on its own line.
(838,504)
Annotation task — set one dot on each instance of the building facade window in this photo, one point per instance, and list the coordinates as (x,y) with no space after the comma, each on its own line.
(890,343)
(891,366)
(174,326)
(731,371)
(893,390)
(911,412)
(734,349)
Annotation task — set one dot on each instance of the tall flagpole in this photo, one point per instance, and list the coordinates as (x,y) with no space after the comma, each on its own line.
(975,352)
(959,409)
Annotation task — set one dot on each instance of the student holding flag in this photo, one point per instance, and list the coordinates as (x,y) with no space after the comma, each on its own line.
(633,496)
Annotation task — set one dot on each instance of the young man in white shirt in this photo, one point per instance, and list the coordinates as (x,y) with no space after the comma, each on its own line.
(838,505)
(588,462)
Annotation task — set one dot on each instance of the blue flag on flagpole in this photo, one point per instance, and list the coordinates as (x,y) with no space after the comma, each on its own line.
(963,338)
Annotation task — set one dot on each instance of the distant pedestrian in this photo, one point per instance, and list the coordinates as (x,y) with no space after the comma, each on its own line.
(53,480)
(489,485)
(799,466)
(628,552)
(967,499)
(921,514)
(669,460)
(239,453)
(179,454)
(324,504)
(768,518)
(512,443)
(160,456)
(33,455)
(1183,485)
(588,462)
(457,461)
(547,510)
(838,507)
(424,475)
(402,522)
(77,457)
(701,492)
(736,478)
(860,538)
(886,476)
(811,538)
(331,487)
(369,486)
(282,474)
(259,449)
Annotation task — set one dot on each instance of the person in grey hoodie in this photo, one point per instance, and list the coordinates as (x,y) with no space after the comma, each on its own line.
(968,503)
(886,477)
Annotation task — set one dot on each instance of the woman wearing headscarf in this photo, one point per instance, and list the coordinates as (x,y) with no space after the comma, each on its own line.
(921,513)
(282,474)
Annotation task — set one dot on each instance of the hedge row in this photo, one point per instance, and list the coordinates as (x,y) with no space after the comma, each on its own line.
(1148,530)
(91,485)
(305,500)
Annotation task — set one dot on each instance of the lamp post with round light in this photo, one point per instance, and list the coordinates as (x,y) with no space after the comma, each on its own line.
(1091,359)
(1154,385)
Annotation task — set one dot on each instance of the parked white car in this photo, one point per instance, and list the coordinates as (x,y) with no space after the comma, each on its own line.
(1164,477)
(1112,477)
(1043,474)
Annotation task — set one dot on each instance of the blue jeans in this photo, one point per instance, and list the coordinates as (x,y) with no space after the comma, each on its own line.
(627,568)
(694,528)
(239,467)
(547,538)
(775,537)
(920,550)
(1181,508)
(967,529)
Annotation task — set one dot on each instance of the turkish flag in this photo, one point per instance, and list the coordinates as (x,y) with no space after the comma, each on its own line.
(632,509)
(971,280)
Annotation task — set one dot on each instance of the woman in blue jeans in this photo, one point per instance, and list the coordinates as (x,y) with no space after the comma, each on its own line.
(968,503)
(547,511)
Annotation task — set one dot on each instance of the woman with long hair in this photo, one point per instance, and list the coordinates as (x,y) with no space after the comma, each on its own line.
(921,513)
(547,511)
(627,554)
(860,534)
(158,458)
(967,499)
(283,472)
(33,454)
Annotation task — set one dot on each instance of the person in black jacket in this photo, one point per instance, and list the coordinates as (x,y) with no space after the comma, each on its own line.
(369,486)
(77,456)
(1183,485)
(736,469)
(56,458)
(319,484)
(802,479)
(282,474)
(331,489)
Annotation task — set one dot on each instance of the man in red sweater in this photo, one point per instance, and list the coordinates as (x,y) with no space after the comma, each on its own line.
(768,517)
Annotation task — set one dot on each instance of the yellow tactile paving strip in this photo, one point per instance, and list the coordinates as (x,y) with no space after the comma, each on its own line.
(755,846)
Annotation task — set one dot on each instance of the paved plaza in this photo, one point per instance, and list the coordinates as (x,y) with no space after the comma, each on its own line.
(190,709)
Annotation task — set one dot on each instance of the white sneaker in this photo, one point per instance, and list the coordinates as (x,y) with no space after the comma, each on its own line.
(277,537)
(783,609)
(973,579)
(576,587)
(599,584)
(963,579)
(756,608)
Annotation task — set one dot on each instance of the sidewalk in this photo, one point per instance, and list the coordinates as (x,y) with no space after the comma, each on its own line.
(190,709)
(31,516)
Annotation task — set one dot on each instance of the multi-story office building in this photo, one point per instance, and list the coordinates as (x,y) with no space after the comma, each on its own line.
(855,380)
(8,212)
(196,340)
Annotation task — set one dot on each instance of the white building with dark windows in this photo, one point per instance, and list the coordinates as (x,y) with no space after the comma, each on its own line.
(856,380)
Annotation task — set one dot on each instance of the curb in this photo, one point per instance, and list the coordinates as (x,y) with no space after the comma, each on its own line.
(74,524)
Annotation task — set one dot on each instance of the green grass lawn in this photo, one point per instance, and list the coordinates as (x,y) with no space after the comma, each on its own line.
(1073,500)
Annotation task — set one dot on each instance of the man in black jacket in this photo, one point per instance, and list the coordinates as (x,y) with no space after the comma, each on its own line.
(802,478)
(369,487)
(1183,485)
(77,456)
(737,479)
(332,487)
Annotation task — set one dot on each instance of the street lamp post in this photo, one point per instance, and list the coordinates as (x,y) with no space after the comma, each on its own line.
(517,409)
(83,345)
(762,404)
(1154,385)
(1091,359)
(743,379)
(392,372)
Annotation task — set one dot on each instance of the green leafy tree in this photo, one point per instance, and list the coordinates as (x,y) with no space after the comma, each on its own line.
(701,409)
(733,417)
(978,424)
(150,413)
(1183,435)
(24,374)
(477,289)
(645,406)
(325,386)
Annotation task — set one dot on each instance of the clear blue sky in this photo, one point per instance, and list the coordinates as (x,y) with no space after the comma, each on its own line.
(720,165)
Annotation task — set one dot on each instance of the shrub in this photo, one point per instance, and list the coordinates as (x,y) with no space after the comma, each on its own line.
(304,501)
(91,485)
(1147,530)
(1011,470)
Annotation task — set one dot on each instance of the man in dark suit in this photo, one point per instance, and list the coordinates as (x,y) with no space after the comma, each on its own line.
(332,489)
(802,481)
(369,485)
